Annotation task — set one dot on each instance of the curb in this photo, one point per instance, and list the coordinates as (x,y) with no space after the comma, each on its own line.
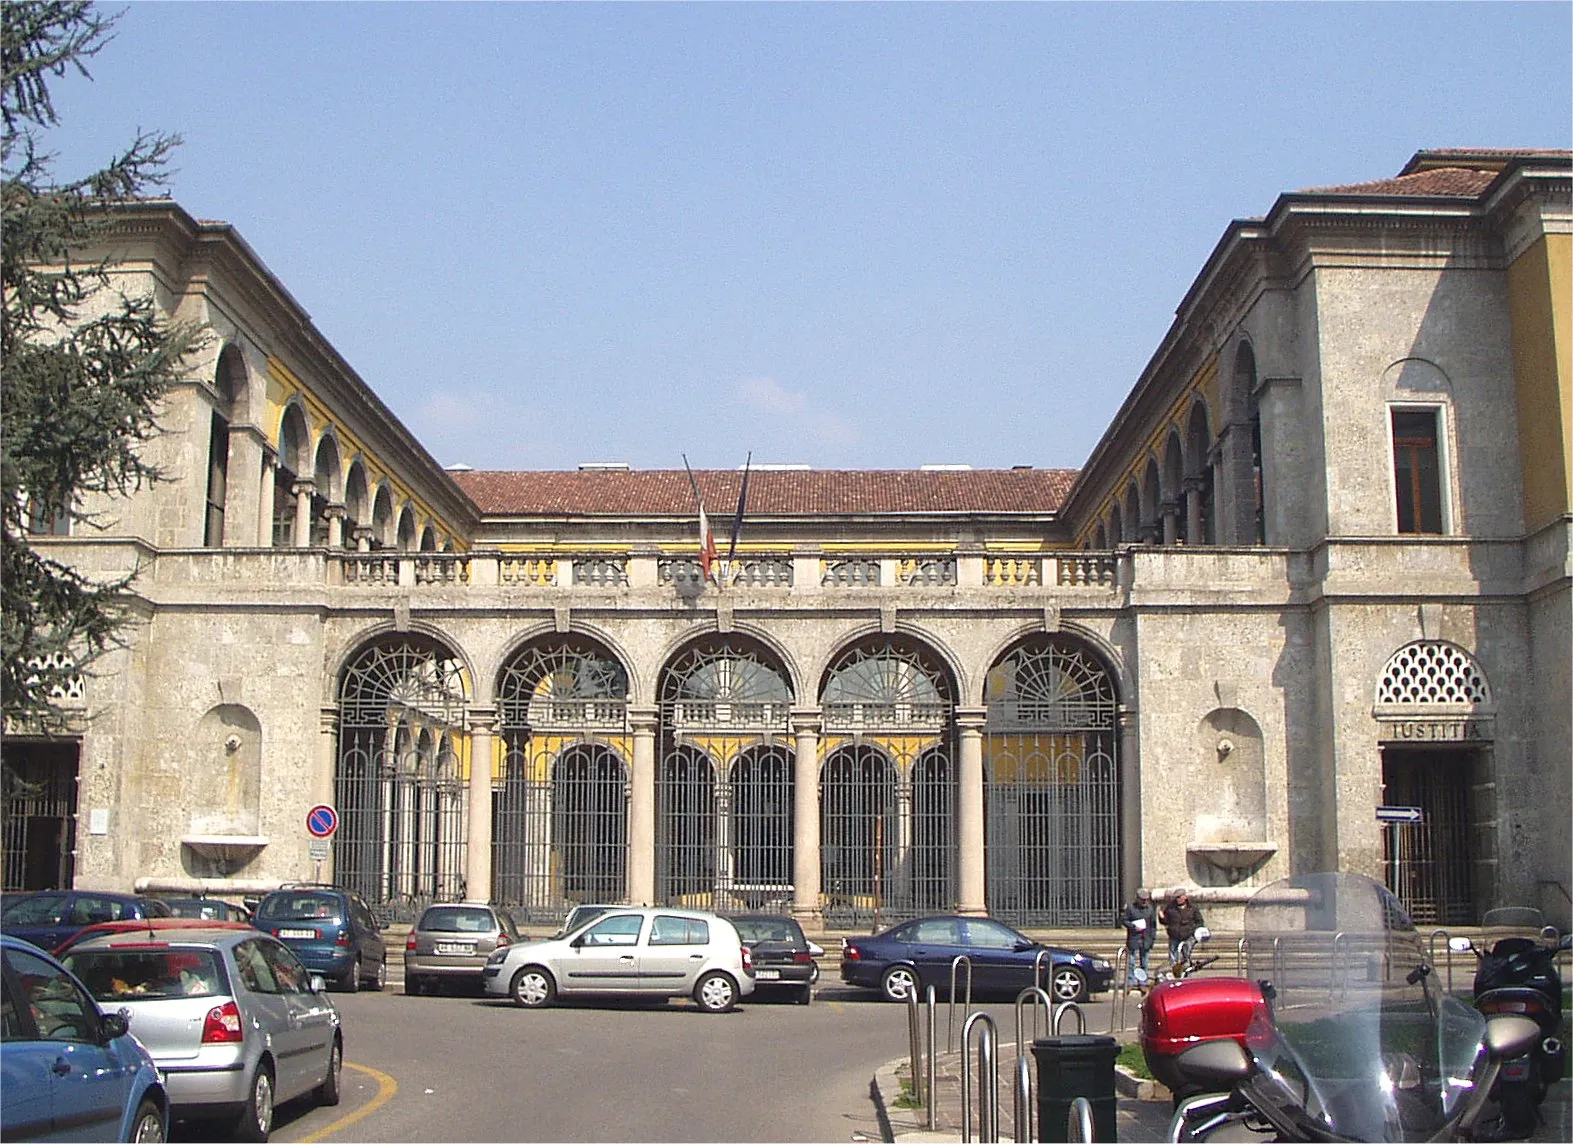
(1127,1083)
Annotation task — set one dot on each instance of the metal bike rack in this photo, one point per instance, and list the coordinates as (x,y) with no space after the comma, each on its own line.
(1070,1006)
(1431,953)
(1122,987)
(1025,1086)
(988,1081)
(1240,949)
(1338,973)
(1278,961)
(950,1029)
(1037,967)
(1078,1125)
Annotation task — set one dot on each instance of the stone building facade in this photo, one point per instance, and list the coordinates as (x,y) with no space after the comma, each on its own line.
(1318,564)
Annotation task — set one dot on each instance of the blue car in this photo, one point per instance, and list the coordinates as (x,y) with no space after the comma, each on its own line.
(46,918)
(331,930)
(69,1070)
(920,953)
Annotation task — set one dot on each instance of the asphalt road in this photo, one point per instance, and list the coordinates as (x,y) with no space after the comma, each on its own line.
(462,1067)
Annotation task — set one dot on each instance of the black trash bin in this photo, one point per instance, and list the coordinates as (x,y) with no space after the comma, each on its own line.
(1069,1067)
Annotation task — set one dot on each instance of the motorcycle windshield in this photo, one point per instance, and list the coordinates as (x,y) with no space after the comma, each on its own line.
(1363,1045)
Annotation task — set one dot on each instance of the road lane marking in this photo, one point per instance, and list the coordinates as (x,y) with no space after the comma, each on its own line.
(386,1087)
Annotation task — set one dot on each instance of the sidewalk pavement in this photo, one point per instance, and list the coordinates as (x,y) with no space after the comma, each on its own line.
(1142,1109)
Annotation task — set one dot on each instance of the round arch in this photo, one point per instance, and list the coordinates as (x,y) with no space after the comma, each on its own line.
(401,842)
(1052,796)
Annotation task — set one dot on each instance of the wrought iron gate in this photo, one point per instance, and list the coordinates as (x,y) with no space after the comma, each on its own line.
(724,791)
(560,818)
(401,801)
(1052,821)
(1428,864)
(39,793)
(887,786)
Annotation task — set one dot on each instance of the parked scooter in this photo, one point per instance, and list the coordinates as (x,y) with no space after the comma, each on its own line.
(1518,974)
(1356,1039)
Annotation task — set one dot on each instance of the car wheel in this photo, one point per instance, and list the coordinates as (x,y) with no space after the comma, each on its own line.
(147,1127)
(327,1093)
(349,980)
(380,978)
(255,1121)
(1067,984)
(532,987)
(898,981)
(805,995)
(715,992)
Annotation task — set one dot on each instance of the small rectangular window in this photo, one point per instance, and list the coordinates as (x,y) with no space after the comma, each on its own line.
(1417,471)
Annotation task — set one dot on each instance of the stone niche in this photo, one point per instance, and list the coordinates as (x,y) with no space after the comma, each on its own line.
(224,792)
(1228,800)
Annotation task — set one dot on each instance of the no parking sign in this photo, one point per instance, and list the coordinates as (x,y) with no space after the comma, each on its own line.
(321,821)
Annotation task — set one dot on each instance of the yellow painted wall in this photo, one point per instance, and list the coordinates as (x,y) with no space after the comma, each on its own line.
(1540,302)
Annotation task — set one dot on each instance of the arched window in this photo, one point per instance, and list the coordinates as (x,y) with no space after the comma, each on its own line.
(401,806)
(724,781)
(562,714)
(1052,798)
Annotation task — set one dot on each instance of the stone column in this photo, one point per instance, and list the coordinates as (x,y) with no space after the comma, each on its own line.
(641,807)
(335,514)
(806,906)
(270,465)
(303,491)
(478,831)
(1195,526)
(362,538)
(322,780)
(1130,802)
(1169,515)
(970,890)
(246,453)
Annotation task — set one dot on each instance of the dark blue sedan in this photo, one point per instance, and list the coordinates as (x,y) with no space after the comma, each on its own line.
(920,953)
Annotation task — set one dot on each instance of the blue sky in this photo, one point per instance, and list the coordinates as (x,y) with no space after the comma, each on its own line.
(846,235)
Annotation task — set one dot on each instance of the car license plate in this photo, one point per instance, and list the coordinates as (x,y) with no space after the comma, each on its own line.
(306,934)
(458,947)
(768,975)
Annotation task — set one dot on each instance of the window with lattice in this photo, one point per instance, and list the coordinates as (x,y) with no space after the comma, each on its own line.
(1433,673)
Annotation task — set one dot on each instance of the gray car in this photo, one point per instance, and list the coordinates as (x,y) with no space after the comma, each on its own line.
(451,943)
(231,1017)
(630,951)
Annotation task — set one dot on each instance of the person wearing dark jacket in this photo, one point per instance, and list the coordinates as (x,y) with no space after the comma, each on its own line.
(1180,919)
(1140,920)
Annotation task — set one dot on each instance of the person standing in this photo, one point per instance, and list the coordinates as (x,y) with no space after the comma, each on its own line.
(1180,918)
(1141,929)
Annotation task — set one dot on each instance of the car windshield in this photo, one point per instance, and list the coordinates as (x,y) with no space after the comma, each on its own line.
(457,919)
(767,929)
(127,975)
(299,907)
(42,910)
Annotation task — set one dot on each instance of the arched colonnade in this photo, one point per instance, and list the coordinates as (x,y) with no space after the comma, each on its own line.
(876,795)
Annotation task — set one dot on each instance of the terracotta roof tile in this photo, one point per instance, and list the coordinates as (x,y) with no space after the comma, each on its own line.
(666,492)
(1439,182)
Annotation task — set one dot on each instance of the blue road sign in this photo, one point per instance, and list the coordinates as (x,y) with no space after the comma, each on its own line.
(321,821)
(1409,814)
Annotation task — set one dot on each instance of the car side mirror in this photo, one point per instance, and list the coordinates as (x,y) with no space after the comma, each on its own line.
(1023,945)
(317,983)
(115,1024)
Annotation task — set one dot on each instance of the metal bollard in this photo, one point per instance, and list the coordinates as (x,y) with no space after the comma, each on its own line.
(1078,1125)
(1122,968)
(1431,950)
(1240,949)
(928,1080)
(1338,974)
(950,1029)
(915,1047)
(988,1081)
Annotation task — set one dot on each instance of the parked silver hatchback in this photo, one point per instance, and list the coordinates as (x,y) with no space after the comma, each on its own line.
(632,951)
(231,1017)
(451,942)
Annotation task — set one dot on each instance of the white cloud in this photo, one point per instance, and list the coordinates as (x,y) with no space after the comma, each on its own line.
(794,412)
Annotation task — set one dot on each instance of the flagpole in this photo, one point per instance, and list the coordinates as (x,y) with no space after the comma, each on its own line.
(737,520)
